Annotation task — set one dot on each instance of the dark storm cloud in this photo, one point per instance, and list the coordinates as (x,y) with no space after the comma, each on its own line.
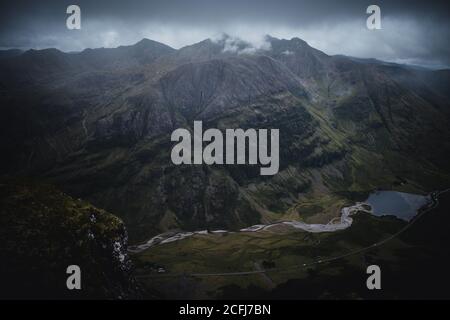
(413,31)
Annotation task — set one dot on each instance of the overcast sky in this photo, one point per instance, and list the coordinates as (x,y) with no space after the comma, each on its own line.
(416,32)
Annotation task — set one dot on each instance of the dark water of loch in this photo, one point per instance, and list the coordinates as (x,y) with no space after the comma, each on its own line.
(400,204)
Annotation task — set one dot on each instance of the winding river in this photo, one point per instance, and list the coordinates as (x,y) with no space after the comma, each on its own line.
(341,223)
(402,205)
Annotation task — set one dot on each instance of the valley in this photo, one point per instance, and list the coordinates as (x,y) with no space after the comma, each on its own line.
(97,126)
(344,222)
(284,254)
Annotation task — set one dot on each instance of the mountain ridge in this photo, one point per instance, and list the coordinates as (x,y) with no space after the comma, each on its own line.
(146,42)
(97,124)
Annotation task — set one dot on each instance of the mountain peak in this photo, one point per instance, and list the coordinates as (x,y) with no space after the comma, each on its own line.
(299,41)
(147,43)
(144,42)
(207,47)
(295,41)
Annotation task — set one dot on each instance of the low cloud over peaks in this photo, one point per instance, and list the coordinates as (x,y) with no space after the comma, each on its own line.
(412,31)
(237,45)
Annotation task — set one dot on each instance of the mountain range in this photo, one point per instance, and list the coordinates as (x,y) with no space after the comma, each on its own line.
(97,125)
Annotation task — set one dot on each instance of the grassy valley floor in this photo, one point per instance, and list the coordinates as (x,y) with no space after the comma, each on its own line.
(301,265)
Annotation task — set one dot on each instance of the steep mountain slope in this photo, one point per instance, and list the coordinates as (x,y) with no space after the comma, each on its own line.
(98,124)
(44,231)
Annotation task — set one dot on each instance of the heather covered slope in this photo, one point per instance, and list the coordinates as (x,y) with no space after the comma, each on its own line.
(98,124)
